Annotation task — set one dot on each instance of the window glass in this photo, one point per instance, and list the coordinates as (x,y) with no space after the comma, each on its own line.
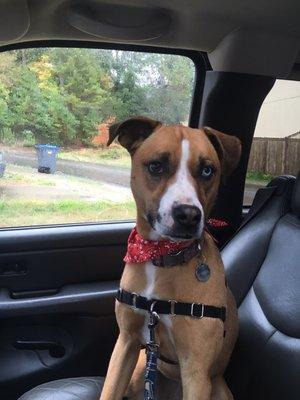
(55,108)
(276,144)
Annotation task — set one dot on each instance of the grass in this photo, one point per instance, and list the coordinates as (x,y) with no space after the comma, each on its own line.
(26,213)
(258,177)
(115,156)
(16,178)
(70,199)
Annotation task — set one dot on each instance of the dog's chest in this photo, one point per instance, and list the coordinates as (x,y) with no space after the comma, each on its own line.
(150,293)
(150,275)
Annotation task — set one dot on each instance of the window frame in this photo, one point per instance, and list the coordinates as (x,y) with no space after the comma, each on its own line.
(201,65)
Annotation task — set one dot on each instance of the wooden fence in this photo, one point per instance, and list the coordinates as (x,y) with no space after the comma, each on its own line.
(275,156)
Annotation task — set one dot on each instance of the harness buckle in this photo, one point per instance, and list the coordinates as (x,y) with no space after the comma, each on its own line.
(173,302)
(202,310)
(134,298)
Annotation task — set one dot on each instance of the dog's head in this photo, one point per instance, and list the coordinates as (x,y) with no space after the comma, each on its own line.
(176,172)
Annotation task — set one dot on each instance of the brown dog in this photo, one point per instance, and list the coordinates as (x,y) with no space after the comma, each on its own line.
(176,172)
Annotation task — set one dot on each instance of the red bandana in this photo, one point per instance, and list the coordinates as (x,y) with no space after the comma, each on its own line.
(217,223)
(140,250)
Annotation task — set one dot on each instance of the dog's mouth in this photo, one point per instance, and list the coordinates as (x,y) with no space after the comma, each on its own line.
(176,236)
(181,237)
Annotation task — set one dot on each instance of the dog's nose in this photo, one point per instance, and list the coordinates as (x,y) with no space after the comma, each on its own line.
(186,215)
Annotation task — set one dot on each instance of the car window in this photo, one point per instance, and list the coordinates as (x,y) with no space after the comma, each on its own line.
(276,145)
(56,105)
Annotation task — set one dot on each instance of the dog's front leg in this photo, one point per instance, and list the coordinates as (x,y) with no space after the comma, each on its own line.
(135,388)
(196,383)
(120,369)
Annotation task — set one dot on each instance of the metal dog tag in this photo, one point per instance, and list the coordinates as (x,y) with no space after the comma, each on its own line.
(202,272)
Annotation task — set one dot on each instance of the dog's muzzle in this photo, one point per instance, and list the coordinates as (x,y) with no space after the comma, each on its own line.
(186,216)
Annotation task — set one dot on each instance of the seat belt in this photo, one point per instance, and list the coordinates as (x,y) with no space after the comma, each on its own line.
(262,196)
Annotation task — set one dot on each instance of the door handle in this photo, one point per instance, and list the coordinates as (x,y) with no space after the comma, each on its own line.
(8,269)
(55,349)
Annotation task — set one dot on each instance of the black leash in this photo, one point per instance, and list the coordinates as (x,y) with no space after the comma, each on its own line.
(152,354)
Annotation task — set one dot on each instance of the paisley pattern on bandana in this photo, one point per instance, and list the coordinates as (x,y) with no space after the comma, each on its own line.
(217,223)
(140,250)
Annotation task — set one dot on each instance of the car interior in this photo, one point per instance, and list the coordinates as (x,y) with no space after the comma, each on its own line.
(58,282)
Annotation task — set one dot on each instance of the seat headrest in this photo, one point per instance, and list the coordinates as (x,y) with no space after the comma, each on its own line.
(296,197)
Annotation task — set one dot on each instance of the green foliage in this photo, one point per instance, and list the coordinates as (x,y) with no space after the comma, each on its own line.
(259,177)
(28,138)
(7,136)
(61,95)
(116,156)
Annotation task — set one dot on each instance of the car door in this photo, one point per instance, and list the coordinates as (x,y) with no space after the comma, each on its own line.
(57,302)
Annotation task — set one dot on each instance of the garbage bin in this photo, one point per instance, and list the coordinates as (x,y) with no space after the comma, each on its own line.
(47,158)
(2,164)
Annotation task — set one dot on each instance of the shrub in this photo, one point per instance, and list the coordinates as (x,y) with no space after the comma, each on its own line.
(7,137)
(28,138)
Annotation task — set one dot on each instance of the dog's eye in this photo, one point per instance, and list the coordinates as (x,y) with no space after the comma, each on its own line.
(207,172)
(155,168)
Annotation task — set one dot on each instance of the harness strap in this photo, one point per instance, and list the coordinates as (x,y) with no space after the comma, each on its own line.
(171,307)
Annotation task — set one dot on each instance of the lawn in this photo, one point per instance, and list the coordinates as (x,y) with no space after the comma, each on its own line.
(30,198)
(16,176)
(115,156)
(25,213)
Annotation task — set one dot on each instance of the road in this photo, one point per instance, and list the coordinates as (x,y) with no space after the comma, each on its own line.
(98,172)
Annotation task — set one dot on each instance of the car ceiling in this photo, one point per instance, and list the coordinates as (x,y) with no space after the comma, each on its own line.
(258,37)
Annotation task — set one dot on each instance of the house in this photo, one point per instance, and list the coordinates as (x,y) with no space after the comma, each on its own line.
(279,116)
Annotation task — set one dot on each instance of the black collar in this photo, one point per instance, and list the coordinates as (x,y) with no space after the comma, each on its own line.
(181,257)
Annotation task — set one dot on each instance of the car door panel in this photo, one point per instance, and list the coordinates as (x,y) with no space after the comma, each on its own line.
(57,290)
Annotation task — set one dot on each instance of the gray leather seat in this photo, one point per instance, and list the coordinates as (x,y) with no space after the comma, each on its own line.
(263,267)
(88,388)
(262,263)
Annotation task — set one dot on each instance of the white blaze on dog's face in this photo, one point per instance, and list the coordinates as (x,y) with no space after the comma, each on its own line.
(176,172)
(180,195)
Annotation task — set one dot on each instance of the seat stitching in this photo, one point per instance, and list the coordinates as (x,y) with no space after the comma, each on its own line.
(292,223)
(93,381)
(73,394)
(272,334)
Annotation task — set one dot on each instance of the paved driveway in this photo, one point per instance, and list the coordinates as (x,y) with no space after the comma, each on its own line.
(97,172)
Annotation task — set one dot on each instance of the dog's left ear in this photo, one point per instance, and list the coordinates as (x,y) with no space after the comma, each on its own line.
(228,149)
(132,132)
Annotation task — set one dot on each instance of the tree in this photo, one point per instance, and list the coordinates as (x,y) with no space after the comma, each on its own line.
(61,95)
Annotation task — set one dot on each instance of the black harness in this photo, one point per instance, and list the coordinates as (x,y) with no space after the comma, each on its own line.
(154,308)
(170,307)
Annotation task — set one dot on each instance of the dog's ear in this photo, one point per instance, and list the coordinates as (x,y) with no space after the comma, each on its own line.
(228,149)
(132,132)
